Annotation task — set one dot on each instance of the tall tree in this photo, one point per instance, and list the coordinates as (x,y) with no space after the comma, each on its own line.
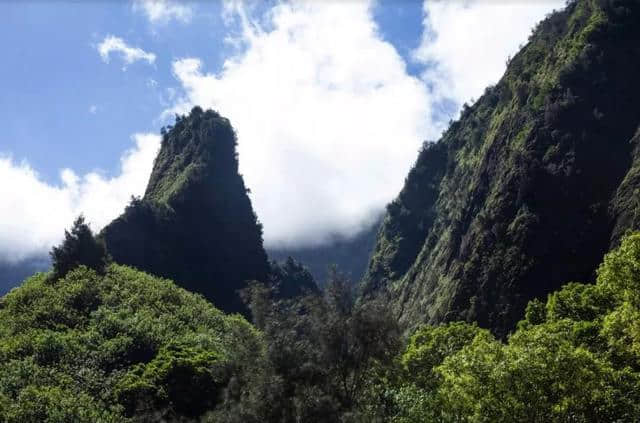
(79,247)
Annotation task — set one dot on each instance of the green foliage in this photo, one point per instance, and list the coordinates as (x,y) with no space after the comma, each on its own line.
(577,358)
(78,248)
(115,347)
(327,356)
(430,345)
(620,271)
(186,378)
(291,279)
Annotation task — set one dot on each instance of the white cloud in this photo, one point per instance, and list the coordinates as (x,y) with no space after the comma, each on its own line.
(466,43)
(33,213)
(93,109)
(328,119)
(129,54)
(163,11)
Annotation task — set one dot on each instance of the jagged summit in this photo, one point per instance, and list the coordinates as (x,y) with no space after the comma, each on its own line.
(195,148)
(195,223)
(532,184)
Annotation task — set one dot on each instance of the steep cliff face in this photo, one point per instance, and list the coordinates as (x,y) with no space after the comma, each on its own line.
(195,223)
(532,184)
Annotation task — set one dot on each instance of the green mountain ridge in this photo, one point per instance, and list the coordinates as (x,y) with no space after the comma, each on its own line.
(530,187)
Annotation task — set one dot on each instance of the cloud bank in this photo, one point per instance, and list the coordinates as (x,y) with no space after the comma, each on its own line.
(129,54)
(34,213)
(328,119)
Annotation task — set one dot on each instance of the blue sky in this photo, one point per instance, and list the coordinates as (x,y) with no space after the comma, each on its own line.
(331,100)
(56,76)
(64,107)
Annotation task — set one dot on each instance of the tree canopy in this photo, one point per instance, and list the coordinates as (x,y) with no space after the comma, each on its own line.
(79,247)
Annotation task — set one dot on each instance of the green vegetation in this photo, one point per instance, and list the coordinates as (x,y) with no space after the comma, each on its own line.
(79,247)
(527,191)
(575,358)
(121,345)
(327,356)
(530,187)
(291,279)
(195,224)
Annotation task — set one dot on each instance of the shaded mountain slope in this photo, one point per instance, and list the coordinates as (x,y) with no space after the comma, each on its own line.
(350,255)
(195,223)
(532,184)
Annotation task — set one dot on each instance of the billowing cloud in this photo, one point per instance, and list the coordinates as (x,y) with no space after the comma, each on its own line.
(328,119)
(112,44)
(466,43)
(163,11)
(34,213)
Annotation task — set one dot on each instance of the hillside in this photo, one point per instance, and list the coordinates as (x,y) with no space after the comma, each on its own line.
(195,223)
(123,346)
(530,187)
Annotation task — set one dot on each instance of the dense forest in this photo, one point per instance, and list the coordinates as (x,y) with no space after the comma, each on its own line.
(503,284)
(96,341)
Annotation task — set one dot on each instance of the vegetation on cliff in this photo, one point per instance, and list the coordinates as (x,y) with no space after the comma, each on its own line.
(530,187)
(195,223)
(574,358)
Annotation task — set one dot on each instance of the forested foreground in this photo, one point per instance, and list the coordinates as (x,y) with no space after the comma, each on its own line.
(94,341)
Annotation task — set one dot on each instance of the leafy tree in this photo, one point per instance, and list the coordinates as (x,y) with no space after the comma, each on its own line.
(188,379)
(324,350)
(79,247)
(430,345)
(291,279)
(575,358)
(354,338)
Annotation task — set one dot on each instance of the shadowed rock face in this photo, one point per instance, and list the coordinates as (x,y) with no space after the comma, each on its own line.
(532,184)
(195,223)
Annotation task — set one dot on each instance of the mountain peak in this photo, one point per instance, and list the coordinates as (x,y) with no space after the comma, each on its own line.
(195,223)
(530,187)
